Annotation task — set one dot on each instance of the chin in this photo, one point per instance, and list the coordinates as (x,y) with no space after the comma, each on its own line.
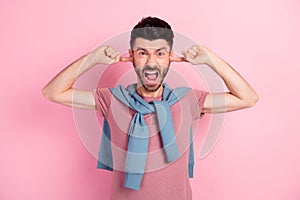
(151,88)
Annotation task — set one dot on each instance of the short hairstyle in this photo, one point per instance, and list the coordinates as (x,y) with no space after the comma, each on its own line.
(152,28)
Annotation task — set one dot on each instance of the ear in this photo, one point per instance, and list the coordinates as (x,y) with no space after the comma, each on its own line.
(130,55)
(130,52)
(127,59)
(171,53)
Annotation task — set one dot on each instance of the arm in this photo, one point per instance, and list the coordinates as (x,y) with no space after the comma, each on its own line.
(60,88)
(240,95)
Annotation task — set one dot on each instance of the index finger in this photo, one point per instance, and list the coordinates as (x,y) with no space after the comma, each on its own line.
(177,59)
(125,59)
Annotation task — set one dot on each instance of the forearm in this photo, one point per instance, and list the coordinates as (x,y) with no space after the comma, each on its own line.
(235,83)
(64,80)
(60,88)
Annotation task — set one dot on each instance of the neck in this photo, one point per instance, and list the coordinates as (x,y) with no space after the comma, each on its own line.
(145,93)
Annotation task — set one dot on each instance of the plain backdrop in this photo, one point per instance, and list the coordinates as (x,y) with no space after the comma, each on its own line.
(257,156)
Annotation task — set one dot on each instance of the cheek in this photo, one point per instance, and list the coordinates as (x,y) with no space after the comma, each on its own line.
(164,62)
(138,62)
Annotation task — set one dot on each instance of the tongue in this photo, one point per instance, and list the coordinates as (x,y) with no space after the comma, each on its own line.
(151,76)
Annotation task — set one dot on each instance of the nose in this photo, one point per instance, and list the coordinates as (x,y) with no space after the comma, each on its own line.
(151,59)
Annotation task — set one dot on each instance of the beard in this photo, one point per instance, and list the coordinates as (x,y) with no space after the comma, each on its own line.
(151,77)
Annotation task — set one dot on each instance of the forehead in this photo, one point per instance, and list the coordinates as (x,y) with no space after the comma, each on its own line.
(153,44)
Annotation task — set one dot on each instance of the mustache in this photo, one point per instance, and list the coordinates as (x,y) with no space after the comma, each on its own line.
(148,68)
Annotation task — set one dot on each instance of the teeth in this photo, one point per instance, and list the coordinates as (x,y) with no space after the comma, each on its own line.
(151,72)
(147,73)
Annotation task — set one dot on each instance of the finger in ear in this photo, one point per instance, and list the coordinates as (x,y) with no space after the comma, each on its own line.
(125,59)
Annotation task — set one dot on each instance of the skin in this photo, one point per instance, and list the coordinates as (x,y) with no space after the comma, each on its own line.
(152,57)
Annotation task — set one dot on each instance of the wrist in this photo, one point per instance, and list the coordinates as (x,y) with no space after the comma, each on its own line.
(91,59)
(213,60)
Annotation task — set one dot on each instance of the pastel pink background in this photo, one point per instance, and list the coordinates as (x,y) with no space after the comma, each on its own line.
(41,155)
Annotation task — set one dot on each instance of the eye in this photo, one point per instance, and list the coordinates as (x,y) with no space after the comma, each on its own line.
(160,53)
(141,53)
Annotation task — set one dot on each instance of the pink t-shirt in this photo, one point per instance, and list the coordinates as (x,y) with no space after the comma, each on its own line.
(161,180)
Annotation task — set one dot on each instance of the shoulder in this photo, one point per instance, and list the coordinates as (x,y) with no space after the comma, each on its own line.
(102,98)
(196,95)
(196,99)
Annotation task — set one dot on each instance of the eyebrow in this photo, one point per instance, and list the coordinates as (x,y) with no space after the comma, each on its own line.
(141,48)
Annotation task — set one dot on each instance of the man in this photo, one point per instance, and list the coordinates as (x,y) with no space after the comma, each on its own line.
(149,123)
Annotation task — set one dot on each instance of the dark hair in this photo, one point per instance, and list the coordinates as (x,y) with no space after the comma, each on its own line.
(152,28)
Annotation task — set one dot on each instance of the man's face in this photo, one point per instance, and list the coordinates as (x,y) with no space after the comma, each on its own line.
(151,61)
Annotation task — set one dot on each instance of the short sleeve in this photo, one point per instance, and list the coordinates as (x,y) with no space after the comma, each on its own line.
(197,103)
(103,100)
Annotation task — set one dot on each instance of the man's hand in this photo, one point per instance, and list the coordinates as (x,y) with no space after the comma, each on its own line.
(105,55)
(197,54)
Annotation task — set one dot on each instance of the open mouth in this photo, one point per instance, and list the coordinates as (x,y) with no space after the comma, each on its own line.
(151,75)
